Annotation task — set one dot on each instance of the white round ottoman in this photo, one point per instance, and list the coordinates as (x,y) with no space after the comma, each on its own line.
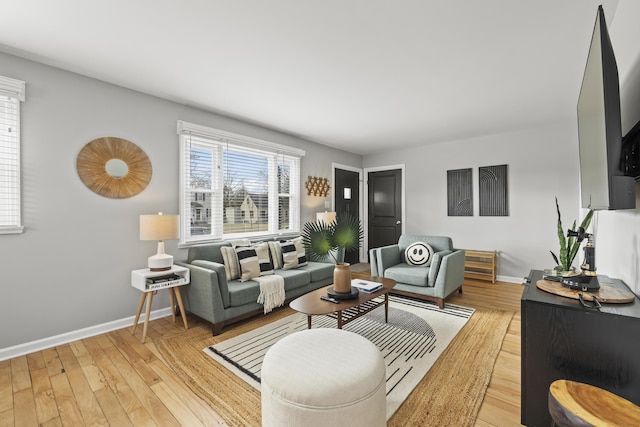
(323,377)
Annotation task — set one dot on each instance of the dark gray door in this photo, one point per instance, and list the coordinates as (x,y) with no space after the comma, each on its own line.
(347,197)
(385,207)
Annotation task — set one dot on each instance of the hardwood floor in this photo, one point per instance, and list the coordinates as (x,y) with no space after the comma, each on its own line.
(114,379)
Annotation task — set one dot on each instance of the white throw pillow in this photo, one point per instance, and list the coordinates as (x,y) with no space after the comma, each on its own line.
(419,254)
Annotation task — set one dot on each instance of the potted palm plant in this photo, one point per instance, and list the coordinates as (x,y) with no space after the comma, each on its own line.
(568,246)
(331,241)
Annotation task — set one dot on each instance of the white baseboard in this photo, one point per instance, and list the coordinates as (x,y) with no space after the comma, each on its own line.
(509,279)
(42,344)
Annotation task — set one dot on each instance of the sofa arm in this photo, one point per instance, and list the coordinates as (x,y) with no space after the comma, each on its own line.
(386,256)
(203,296)
(450,275)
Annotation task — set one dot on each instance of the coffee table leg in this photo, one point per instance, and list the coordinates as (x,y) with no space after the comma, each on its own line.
(386,308)
(308,321)
(339,319)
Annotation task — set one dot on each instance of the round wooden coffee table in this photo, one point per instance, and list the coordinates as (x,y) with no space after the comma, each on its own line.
(344,311)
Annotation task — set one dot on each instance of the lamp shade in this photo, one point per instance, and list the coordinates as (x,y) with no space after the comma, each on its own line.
(326,217)
(159,227)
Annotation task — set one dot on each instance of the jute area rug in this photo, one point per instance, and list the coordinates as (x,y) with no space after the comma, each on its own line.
(449,394)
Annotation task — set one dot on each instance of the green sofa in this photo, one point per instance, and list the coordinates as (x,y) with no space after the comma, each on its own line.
(435,282)
(211,297)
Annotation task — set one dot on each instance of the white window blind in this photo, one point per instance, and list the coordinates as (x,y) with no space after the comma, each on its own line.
(234,186)
(11,93)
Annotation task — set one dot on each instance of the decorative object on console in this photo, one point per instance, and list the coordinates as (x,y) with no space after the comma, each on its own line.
(568,247)
(317,186)
(493,195)
(160,227)
(114,167)
(324,241)
(459,192)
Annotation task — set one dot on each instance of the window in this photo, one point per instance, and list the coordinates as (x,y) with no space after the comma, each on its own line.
(11,93)
(233,186)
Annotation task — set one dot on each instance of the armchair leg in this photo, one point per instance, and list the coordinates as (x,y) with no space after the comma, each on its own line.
(460,289)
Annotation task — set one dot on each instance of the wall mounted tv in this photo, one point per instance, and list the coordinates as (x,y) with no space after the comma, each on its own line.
(603,183)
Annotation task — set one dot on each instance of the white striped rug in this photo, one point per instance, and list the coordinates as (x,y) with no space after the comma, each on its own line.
(417,333)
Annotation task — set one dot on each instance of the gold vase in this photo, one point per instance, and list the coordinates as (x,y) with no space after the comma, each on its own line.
(342,278)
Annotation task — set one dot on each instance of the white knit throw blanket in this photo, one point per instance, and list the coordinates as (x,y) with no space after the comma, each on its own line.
(271,291)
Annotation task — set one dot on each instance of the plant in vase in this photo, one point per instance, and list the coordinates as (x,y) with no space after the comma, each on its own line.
(324,242)
(568,246)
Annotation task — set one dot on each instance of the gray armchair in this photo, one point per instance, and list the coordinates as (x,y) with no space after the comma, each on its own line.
(435,282)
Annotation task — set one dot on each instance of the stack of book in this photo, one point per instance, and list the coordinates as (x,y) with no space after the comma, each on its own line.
(164,281)
(366,285)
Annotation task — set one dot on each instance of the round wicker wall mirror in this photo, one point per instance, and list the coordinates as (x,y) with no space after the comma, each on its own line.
(114,167)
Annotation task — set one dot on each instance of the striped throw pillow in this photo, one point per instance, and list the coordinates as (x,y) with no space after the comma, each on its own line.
(276,255)
(262,251)
(231,265)
(289,255)
(249,264)
(302,255)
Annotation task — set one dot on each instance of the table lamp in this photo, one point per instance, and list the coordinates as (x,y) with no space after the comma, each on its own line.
(326,217)
(160,227)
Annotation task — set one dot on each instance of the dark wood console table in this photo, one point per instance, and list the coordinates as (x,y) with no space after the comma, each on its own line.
(563,340)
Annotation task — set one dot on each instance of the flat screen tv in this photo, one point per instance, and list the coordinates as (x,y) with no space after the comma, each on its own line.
(603,183)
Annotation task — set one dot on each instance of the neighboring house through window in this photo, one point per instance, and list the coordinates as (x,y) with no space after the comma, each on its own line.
(11,94)
(233,186)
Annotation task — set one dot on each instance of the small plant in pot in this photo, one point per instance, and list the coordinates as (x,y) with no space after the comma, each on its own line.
(568,246)
(325,242)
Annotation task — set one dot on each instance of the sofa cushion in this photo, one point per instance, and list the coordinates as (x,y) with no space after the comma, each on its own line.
(409,274)
(231,265)
(241,293)
(319,270)
(294,278)
(419,254)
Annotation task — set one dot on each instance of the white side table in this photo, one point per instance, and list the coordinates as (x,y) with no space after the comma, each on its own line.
(149,282)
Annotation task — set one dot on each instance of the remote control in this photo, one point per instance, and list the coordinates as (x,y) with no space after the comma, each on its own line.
(333,300)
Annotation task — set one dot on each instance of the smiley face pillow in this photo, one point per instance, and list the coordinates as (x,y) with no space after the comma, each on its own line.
(419,254)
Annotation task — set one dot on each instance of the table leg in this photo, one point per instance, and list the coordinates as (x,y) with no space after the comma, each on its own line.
(140,304)
(147,315)
(172,302)
(180,306)
(386,308)
(308,321)
(339,313)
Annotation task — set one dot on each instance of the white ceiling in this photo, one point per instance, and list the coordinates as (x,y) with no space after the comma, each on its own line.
(362,75)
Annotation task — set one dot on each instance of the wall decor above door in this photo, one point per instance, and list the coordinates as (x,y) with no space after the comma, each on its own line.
(114,167)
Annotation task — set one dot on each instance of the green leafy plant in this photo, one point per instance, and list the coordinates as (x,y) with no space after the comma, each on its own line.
(568,245)
(324,241)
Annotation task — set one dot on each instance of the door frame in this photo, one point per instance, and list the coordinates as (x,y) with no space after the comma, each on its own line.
(366,205)
(362,255)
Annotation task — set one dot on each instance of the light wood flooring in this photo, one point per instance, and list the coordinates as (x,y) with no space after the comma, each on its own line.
(114,379)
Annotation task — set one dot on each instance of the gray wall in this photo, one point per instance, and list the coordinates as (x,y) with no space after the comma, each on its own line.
(71,267)
(542,163)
